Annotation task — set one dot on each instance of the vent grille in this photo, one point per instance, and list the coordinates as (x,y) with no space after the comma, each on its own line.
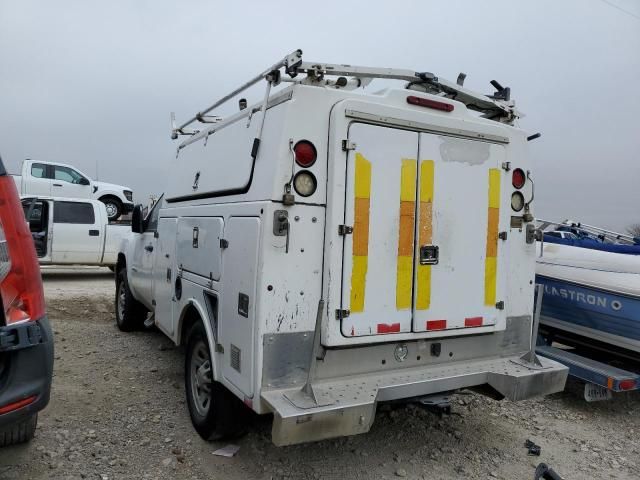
(235,358)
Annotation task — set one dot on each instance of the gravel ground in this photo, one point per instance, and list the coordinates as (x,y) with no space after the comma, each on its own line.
(118,411)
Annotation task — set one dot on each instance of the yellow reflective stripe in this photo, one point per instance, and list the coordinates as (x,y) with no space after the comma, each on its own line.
(425,233)
(404,274)
(358,282)
(360,235)
(363,177)
(491,260)
(494,188)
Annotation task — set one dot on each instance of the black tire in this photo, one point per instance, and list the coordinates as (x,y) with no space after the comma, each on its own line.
(19,432)
(114,207)
(226,415)
(130,314)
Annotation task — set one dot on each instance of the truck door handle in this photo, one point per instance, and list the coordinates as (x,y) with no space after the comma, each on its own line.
(149,248)
(57,184)
(429,254)
(94,233)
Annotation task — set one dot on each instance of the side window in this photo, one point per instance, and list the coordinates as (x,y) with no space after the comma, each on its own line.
(66,174)
(151,221)
(38,170)
(73,212)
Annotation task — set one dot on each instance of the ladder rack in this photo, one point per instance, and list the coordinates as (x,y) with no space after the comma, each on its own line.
(497,107)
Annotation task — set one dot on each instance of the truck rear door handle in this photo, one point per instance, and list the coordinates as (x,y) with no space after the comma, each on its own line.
(149,248)
(94,233)
(429,254)
(57,184)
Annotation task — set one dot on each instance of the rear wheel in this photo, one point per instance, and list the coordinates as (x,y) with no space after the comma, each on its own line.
(114,207)
(19,432)
(215,412)
(130,314)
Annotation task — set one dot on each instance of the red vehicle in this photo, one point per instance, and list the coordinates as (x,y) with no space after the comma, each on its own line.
(26,341)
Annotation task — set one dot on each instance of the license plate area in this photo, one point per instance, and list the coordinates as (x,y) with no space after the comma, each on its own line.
(596,393)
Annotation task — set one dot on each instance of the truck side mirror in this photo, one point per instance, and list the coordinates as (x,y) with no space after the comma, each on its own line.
(136,219)
(84,181)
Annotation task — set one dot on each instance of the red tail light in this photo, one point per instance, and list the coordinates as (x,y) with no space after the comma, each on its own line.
(305,153)
(20,281)
(518,178)
(425,102)
(628,384)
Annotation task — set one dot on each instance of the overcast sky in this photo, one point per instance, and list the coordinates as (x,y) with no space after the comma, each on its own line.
(92,83)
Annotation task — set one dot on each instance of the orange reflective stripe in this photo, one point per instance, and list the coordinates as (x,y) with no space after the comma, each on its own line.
(404,273)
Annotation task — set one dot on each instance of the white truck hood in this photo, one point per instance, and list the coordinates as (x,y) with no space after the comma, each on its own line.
(109,187)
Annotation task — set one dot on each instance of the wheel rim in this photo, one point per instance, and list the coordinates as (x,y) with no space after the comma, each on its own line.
(201,378)
(121,300)
(112,209)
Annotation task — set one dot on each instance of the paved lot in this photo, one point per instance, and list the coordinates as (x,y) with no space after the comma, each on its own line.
(118,412)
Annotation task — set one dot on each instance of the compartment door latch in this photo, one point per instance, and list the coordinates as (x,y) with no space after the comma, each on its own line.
(429,254)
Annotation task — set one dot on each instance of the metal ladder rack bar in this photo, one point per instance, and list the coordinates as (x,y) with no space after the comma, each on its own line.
(491,106)
(276,66)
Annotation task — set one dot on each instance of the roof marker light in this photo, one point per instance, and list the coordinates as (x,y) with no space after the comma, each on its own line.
(425,102)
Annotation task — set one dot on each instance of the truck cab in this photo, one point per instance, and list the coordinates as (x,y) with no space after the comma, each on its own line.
(328,249)
(68,231)
(60,180)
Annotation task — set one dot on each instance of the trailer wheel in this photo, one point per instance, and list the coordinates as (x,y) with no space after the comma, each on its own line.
(130,314)
(215,412)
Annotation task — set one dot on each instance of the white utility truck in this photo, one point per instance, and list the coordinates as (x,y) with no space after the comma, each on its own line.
(69,231)
(60,180)
(328,249)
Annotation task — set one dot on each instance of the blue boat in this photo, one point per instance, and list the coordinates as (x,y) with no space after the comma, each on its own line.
(591,281)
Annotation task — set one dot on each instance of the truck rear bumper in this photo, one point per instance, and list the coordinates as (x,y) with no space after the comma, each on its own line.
(26,368)
(346,406)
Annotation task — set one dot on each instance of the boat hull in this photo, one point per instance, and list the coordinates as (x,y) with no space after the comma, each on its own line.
(590,312)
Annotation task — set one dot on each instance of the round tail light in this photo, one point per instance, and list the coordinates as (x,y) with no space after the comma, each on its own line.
(518,178)
(305,183)
(517,201)
(305,153)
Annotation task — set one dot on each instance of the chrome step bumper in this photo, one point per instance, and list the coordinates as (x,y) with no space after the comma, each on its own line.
(346,406)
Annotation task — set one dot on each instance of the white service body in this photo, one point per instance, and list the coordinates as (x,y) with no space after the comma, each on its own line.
(70,231)
(402,177)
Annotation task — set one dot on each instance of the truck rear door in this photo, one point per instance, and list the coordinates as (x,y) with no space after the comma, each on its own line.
(423,253)
(456,269)
(378,255)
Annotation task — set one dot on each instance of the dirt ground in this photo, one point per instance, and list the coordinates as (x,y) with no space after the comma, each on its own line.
(118,411)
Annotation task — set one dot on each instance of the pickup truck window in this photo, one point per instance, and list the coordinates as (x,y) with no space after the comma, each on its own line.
(73,212)
(151,221)
(38,170)
(66,174)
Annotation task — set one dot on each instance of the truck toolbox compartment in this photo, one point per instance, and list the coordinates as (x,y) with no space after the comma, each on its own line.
(346,406)
(199,245)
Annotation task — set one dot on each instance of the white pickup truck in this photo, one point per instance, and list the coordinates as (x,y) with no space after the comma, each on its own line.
(60,180)
(73,231)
